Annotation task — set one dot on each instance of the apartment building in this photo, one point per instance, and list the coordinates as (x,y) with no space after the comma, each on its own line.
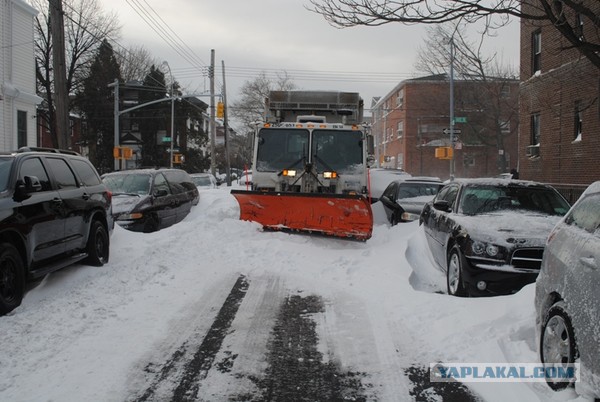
(412,121)
(559,103)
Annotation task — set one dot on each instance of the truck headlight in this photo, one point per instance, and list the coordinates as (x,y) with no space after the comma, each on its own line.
(289,173)
(329,175)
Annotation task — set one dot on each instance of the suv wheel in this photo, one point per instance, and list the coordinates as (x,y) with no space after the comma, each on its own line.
(557,343)
(98,245)
(12,278)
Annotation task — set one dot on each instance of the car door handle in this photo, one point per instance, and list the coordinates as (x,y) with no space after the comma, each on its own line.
(589,262)
(57,200)
(85,196)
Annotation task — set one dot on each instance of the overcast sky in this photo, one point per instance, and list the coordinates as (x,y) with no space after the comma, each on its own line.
(251,36)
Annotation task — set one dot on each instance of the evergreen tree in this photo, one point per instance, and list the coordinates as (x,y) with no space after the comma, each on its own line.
(154,118)
(96,102)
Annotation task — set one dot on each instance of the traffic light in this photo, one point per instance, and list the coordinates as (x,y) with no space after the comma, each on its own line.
(220,110)
(178,158)
(127,153)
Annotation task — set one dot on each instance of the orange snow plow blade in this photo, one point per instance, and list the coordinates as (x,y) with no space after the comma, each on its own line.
(347,216)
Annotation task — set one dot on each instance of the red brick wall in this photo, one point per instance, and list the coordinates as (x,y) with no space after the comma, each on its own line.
(565,78)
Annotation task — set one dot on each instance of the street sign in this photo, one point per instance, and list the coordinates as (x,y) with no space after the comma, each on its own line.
(166,139)
(449,131)
(460,119)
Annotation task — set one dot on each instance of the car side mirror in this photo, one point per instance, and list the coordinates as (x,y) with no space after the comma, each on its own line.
(442,205)
(29,184)
(161,193)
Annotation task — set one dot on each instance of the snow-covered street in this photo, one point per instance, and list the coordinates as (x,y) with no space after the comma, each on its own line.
(107,334)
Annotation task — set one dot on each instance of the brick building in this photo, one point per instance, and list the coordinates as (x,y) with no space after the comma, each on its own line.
(409,124)
(559,104)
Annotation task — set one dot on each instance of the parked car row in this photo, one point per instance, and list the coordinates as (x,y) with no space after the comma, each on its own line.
(57,211)
(494,236)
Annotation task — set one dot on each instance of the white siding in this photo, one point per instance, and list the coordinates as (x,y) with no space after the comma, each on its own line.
(17,73)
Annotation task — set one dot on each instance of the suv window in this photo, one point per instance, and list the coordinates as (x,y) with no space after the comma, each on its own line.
(62,173)
(34,167)
(86,172)
(5,167)
(586,215)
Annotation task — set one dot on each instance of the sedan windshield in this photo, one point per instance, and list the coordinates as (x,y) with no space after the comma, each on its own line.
(486,199)
(138,184)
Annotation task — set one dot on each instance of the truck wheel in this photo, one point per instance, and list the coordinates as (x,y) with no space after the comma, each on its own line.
(12,278)
(98,245)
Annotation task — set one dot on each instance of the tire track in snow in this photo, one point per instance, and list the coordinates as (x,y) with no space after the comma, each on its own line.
(196,369)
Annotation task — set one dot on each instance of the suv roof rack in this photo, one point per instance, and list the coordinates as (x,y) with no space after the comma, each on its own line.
(41,149)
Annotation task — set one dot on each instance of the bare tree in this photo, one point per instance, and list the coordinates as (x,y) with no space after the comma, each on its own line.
(86,25)
(487,91)
(349,13)
(251,106)
(135,63)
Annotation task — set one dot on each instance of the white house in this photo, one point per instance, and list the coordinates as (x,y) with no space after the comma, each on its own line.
(18,99)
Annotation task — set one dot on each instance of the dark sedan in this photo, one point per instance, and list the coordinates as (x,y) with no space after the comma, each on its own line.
(403,200)
(488,235)
(147,200)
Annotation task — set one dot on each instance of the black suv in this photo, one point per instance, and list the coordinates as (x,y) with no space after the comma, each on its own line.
(147,200)
(55,212)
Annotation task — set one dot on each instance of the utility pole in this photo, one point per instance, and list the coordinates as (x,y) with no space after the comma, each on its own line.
(117,140)
(57,28)
(213,128)
(225,127)
(452,107)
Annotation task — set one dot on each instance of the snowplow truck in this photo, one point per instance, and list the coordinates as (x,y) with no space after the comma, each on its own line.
(310,166)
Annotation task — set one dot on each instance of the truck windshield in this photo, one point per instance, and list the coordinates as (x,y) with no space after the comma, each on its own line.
(338,150)
(281,148)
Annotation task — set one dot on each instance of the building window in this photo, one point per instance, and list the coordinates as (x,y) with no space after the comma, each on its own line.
(400,98)
(388,134)
(578,121)
(21,128)
(535,129)
(536,51)
(400,129)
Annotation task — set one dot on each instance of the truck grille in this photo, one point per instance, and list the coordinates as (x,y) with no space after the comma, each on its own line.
(527,258)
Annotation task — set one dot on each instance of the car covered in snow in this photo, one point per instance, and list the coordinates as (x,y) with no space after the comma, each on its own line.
(204,180)
(380,178)
(567,299)
(147,200)
(403,200)
(488,235)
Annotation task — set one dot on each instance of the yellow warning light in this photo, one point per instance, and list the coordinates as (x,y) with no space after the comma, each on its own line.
(329,175)
(267,125)
(299,125)
(311,126)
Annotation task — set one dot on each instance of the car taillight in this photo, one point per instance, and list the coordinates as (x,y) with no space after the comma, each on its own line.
(109,196)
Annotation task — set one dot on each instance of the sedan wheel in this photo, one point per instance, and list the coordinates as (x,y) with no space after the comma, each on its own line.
(557,343)
(454,274)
